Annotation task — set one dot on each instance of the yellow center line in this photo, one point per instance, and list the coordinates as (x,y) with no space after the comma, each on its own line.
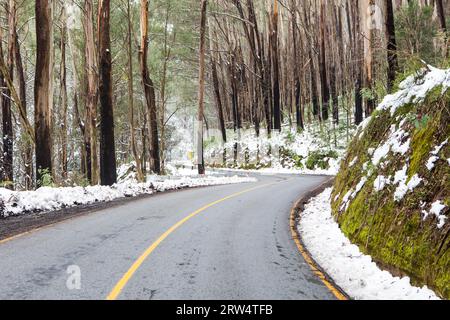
(131,271)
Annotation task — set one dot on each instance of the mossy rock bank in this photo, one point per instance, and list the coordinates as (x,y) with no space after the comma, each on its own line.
(398,229)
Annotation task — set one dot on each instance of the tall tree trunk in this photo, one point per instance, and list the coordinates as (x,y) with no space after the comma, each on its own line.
(323,66)
(149,91)
(137,158)
(443,23)
(216,85)
(296,83)
(85,146)
(358,51)
(63,81)
(201,89)
(391,46)
(92,92)
(7,174)
(42,87)
(28,152)
(275,69)
(108,172)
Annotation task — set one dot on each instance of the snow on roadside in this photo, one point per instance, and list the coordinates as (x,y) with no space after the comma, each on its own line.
(47,199)
(352,270)
(278,169)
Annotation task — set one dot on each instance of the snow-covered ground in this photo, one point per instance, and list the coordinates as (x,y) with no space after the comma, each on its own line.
(287,151)
(352,270)
(47,198)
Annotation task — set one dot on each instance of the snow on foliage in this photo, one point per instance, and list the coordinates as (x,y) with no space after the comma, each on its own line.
(352,270)
(380,182)
(431,162)
(415,91)
(436,209)
(404,187)
(394,143)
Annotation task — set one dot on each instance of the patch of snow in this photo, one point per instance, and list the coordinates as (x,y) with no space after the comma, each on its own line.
(404,187)
(394,143)
(345,200)
(431,162)
(359,186)
(352,163)
(362,126)
(380,182)
(438,148)
(436,209)
(352,270)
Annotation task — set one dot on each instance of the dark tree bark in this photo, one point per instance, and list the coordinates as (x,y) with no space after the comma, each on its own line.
(441,14)
(7,173)
(201,89)
(275,69)
(358,51)
(108,173)
(323,66)
(391,46)
(216,84)
(91,93)
(298,113)
(42,86)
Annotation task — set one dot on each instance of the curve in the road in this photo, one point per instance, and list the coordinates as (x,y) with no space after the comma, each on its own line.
(239,247)
(127,276)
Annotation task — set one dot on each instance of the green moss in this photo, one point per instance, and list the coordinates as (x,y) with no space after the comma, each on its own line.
(394,233)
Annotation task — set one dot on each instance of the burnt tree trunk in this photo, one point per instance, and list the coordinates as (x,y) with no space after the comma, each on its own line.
(391,46)
(108,173)
(275,69)
(201,89)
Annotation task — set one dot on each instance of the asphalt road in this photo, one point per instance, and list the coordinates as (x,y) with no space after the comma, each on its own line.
(238,248)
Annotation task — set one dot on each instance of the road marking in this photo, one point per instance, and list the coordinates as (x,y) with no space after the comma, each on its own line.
(131,271)
(337,293)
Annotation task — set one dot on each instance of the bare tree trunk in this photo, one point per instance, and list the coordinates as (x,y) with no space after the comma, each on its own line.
(391,46)
(215,78)
(108,172)
(7,172)
(136,156)
(149,90)
(358,50)
(85,145)
(42,86)
(323,66)
(28,153)
(63,81)
(201,90)
(92,92)
(275,69)
(443,23)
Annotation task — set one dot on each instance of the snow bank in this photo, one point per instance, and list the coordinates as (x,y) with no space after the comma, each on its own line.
(49,199)
(353,271)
